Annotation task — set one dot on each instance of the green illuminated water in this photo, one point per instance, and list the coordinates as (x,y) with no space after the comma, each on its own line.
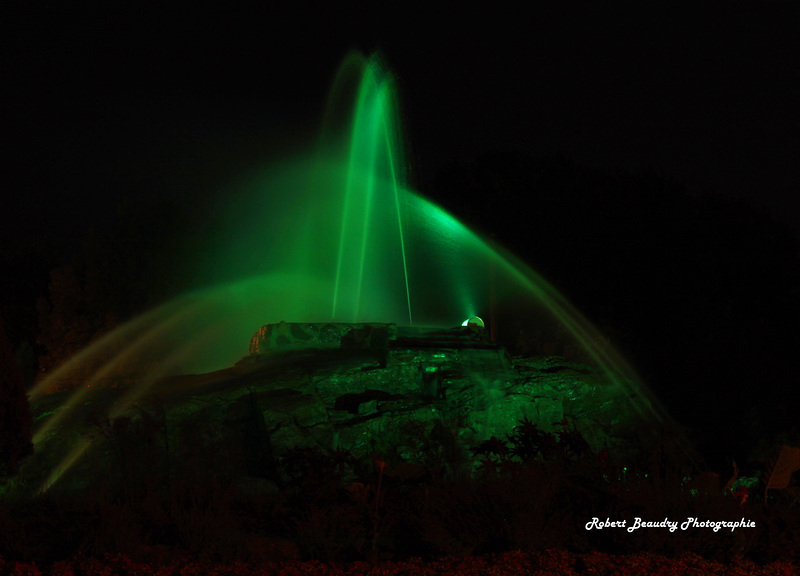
(372,198)
(334,234)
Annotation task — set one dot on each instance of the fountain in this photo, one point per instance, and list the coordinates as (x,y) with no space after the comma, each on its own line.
(336,236)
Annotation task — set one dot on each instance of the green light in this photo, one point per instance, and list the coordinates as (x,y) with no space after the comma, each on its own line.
(333,233)
(44,415)
(372,190)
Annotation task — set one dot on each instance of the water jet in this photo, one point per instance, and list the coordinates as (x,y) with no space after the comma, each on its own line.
(337,237)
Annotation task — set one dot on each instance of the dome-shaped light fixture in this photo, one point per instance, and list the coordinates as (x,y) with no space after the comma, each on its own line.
(473,321)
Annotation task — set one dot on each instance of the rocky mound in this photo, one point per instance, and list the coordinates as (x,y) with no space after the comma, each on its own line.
(407,396)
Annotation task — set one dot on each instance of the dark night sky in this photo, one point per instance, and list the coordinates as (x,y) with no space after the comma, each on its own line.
(119,104)
(104,99)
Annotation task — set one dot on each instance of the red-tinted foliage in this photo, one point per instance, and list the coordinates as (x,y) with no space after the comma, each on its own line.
(546,563)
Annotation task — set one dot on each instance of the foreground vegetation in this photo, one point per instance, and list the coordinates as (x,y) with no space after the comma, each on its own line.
(325,513)
(516,563)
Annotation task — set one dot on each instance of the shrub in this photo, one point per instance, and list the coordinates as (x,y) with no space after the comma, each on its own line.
(15,413)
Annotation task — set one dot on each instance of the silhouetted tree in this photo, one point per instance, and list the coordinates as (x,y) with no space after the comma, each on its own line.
(115,275)
(15,413)
(77,311)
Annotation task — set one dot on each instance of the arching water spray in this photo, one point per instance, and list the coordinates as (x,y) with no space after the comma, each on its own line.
(337,232)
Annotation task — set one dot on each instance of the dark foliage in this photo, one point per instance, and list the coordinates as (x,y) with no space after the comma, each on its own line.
(15,412)
(534,490)
(115,274)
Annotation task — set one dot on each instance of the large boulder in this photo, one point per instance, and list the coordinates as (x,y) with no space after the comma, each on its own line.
(293,335)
